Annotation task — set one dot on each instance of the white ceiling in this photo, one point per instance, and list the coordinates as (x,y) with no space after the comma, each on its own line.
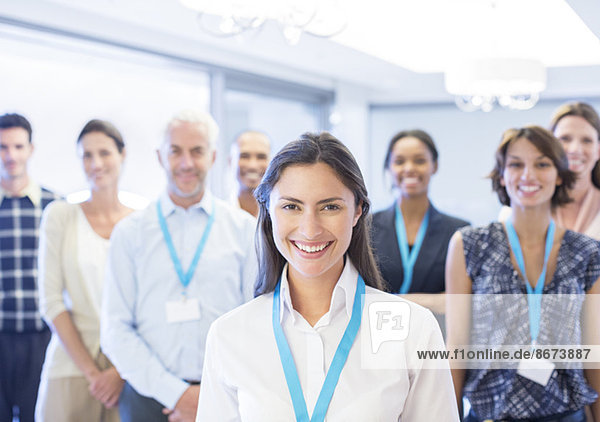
(424,38)
(430,35)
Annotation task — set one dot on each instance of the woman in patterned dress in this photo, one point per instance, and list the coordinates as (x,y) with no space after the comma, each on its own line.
(532,176)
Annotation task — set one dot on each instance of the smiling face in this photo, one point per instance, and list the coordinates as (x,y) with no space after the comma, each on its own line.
(411,166)
(101,160)
(580,141)
(530,178)
(186,156)
(250,156)
(15,151)
(313,214)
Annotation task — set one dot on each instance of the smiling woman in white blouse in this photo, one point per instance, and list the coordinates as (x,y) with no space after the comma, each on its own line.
(78,382)
(302,349)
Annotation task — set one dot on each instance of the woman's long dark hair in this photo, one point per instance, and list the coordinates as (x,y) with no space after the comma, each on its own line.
(311,149)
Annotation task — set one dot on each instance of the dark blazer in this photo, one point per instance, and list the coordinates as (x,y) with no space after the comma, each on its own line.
(428,274)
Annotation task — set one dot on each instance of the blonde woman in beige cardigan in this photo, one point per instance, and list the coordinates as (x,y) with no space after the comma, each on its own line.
(78,382)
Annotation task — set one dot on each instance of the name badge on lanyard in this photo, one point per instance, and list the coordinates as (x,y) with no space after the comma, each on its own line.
(537,370)
(337,364)
(186,309)
(409,259)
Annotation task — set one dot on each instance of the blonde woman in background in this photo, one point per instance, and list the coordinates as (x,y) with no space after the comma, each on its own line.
(577,127)
(78,382)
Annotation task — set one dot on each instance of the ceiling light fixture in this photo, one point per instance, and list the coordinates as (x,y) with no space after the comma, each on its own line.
(479,84)
(227,18)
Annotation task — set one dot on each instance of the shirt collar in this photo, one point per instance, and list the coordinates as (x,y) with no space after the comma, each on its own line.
(168,206)
(32,191)
(343,292)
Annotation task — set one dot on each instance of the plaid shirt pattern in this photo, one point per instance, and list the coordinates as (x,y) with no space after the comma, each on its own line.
(19,233)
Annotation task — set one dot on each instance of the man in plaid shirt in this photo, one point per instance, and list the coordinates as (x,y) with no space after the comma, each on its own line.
(23,334)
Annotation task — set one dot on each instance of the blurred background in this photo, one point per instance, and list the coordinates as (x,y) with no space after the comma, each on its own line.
(463,70)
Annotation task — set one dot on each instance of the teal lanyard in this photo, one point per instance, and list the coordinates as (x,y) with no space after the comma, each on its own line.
(184,278)
(409,259)
(335,369)
(534,297)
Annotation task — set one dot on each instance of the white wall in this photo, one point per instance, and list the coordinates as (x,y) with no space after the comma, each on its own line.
(352,109)
(60,88)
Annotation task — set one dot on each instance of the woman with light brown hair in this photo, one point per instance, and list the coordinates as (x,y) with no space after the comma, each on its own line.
(577,127)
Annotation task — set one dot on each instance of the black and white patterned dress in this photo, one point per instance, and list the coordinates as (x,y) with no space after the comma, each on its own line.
(500,317)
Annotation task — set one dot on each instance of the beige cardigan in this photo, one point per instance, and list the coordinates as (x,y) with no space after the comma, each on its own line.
(63,288)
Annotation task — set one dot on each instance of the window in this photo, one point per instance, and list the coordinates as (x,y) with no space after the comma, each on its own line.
(60,83)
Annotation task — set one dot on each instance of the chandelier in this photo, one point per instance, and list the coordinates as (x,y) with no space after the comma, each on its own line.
(480,84)
(226,18)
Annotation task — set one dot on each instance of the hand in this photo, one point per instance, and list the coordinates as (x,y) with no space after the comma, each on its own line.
(106,387)
(186,406)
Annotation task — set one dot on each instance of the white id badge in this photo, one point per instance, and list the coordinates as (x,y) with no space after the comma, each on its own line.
(182,310)
(537,370)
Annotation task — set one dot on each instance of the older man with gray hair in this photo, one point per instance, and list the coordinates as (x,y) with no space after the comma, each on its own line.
(173,269)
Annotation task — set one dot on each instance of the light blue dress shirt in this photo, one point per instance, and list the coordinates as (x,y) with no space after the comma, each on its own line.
(155,356)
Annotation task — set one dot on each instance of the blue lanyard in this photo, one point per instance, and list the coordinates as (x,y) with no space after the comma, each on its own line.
(409,259)
(185,278)
(335,369)
(534,297)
